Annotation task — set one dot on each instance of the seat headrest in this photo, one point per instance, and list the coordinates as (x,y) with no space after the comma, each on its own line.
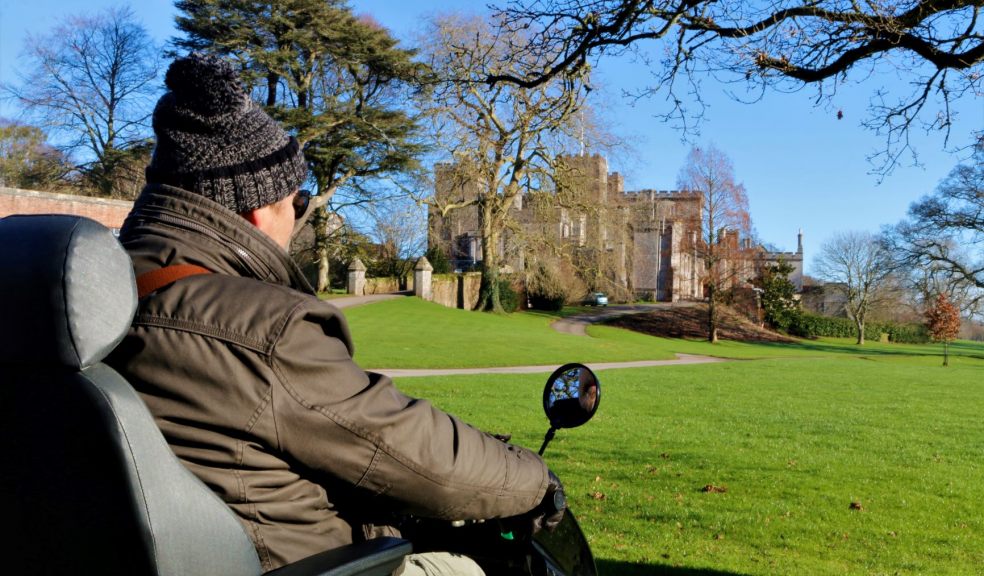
(67,292)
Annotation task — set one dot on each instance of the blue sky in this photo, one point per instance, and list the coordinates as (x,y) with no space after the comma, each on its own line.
(803,168)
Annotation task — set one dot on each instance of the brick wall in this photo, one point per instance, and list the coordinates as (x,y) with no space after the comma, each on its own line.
(109,213)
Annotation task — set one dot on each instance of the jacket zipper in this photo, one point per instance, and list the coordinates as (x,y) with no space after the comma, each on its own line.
(247,259)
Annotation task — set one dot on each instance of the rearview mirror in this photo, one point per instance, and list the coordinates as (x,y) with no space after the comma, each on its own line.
(571,396)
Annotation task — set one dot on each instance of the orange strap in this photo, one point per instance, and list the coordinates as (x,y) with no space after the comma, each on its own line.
(154,280)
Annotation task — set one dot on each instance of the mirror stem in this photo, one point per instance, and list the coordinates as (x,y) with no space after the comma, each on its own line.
(546,439)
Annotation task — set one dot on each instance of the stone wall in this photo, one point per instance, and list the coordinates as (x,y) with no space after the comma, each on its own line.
(456,290)
(385,285)
(109,213)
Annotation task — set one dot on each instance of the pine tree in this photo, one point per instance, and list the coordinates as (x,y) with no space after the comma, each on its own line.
(337,81)
(778,294)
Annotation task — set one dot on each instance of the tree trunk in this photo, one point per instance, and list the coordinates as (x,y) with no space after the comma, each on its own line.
(712,330)
(321,238)
(946,353)
(488,294)
(273,79)
(860,327)
(324,271)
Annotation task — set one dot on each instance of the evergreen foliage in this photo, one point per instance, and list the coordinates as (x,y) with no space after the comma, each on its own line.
(339,82)
(27,160)
(508,296)
(438,259)
(777,296)
(813,326)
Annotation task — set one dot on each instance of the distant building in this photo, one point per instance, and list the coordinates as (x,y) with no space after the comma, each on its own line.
(794,259)
(649,238)
(828,299)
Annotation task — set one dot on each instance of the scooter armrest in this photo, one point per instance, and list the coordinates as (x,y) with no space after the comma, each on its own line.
(378,557)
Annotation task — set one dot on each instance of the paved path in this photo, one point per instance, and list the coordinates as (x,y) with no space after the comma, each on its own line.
(571,325)
(680,359)
(349,301)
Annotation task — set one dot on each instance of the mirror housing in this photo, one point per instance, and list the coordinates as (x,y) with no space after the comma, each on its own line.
(571,396)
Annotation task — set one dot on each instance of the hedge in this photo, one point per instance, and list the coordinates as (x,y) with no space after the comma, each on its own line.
(812,326)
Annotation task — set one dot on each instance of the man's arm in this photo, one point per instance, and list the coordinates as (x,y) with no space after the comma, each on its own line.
(335,418)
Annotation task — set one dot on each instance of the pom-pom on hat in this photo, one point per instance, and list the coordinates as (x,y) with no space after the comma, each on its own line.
(212,139)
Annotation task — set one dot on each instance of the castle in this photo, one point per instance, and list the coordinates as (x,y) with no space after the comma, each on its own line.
(642,242)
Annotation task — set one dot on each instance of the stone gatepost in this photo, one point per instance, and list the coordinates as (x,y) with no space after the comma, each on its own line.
(422,279)
(357,278)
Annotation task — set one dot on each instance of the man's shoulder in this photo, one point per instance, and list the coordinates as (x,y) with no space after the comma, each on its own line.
(245,310)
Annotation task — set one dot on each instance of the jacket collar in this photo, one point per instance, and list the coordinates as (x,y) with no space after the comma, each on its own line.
(174,226)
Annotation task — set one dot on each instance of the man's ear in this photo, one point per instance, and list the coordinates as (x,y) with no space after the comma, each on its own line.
(252,217)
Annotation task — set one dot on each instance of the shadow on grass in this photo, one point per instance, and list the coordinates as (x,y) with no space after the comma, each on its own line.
(967,350)
(616,568)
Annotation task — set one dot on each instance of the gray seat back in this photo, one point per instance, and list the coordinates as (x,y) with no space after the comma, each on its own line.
(91,482)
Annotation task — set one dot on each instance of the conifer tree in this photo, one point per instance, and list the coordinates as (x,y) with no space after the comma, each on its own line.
(339,82)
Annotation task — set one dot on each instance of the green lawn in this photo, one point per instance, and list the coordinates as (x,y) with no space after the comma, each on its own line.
(794,442)
(411,333)
(793,433)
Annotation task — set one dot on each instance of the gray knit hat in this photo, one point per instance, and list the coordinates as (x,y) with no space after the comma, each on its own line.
(212,139)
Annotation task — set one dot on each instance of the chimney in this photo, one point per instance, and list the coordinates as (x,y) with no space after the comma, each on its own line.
(799,242)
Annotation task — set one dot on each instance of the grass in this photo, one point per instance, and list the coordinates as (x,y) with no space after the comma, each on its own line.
(411,333)
(793,434)
(792,442)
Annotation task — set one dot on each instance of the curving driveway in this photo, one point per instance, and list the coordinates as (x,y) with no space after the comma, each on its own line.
(571,325)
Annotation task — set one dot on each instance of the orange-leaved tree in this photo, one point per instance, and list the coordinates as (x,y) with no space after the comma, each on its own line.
(943,322)
(724,221)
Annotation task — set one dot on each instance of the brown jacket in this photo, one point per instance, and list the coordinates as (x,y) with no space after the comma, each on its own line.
(251,379)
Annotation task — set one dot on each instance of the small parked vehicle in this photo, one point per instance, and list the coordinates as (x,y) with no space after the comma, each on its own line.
(596,299)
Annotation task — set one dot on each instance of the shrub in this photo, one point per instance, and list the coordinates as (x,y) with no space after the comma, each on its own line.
(438,260)
(908,333)
(508,296)
(546,289)
(813,326)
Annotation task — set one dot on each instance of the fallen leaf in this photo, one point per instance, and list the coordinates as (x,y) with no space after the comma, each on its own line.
(597,496)
(714,489)
(856,506)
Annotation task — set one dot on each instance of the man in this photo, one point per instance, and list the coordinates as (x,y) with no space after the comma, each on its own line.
(250,377)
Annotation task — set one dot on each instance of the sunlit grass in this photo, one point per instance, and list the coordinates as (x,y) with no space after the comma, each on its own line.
(410,333)
(793,442)
(790,434)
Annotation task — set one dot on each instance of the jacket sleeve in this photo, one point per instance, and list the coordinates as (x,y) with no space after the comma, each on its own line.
(333,417)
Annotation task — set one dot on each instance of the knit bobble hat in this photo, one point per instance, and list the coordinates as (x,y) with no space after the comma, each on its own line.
(212,139)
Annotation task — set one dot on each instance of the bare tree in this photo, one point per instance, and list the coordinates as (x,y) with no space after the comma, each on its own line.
(399,230)
(858,264)
(91,82)
(943,237)
(501,139)
(724,222)
(937,46)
